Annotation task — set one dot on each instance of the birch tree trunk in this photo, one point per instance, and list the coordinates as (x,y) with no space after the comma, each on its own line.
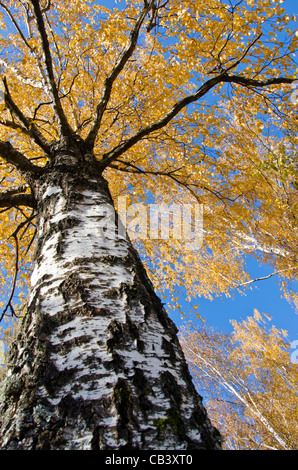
(97,364)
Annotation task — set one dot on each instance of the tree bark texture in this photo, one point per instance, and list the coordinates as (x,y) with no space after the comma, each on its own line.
(97,364)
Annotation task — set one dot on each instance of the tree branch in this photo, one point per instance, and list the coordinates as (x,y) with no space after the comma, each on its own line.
(108,84)
(251,82)
(29,125)
(14,125)
(14,235)
(20,76)
(22,188)
(18,160)
(263,278)
(169,174)
(64,125)
(220,67)
(14,22)
(127,144)
(242,394)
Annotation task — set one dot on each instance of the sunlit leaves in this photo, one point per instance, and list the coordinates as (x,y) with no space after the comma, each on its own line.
(250,382)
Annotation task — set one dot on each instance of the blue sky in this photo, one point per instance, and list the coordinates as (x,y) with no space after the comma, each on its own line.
(265,296)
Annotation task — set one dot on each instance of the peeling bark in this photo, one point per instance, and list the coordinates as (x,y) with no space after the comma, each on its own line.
(97,364)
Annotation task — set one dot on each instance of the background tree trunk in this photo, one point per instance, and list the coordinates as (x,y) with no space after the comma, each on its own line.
(97,364)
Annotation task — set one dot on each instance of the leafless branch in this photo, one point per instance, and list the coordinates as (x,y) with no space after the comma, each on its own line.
(263,278)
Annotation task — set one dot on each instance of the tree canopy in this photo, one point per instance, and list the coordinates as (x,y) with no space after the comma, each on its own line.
(180,101)
(249,382)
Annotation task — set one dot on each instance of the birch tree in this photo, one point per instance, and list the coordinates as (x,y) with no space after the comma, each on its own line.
(250,382)
(98,104)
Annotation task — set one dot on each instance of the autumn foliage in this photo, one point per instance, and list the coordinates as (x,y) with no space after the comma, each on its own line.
(233,150)
(178,101)
(249,381)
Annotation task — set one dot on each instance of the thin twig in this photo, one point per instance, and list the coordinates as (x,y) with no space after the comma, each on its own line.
(263,278)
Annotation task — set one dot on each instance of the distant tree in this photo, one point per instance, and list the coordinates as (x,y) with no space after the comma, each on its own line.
(250,383)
